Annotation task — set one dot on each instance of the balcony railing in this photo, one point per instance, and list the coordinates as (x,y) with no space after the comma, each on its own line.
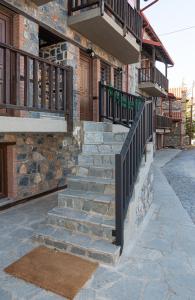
(163,122)
(117,106)
(28,82)
(125,15)
(153,75)
(174,115)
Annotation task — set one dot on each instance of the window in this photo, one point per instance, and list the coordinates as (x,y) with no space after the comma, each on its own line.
(118,75)
(105,73)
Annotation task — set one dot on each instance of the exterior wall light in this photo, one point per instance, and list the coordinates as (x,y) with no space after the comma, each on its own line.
(91,52)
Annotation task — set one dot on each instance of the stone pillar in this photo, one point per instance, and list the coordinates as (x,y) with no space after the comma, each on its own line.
(25,34)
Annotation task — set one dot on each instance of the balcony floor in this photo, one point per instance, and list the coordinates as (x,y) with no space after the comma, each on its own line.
(42,125)
(152,89)
(107,34)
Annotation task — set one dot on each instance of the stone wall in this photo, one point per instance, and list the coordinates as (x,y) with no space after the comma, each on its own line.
(174,138)
(38,163)
(142,197)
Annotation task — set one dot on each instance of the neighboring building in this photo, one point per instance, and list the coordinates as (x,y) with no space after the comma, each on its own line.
(66,66)
(151,82)
(173,108)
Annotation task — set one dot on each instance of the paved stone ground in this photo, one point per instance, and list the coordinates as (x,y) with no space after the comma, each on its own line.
(180,173)
(160,265)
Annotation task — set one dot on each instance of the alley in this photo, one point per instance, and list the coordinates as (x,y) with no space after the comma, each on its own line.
(180,173)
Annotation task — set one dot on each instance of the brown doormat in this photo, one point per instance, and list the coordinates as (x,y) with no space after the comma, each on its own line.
(58,272)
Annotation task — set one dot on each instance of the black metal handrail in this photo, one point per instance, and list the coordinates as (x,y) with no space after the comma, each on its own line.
(129,18)
(136,113)
(127,164)
(155,76)
(163,122)
(118,106)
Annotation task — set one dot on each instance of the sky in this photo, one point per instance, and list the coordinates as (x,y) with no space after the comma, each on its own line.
(170,15)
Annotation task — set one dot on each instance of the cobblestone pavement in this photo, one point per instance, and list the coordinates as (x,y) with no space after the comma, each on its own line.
(160,265)
(180,173)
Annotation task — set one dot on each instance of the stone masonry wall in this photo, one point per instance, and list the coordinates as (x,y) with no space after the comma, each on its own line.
(142,197)
(39,162)
(173,139)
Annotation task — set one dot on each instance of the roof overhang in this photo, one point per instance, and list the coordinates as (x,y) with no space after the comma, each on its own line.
(161,54)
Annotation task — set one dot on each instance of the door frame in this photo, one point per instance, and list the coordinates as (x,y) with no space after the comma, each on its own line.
(9,14)
(3,165)
(87,57)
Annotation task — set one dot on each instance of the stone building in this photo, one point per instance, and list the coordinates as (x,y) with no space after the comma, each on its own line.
(174,108)
(66,66)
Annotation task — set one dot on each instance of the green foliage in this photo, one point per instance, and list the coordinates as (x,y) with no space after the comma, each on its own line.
(190,131)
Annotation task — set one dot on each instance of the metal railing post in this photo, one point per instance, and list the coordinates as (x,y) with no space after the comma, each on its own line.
(119,202)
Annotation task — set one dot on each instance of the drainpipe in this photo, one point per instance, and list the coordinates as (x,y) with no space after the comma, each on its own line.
(147,6)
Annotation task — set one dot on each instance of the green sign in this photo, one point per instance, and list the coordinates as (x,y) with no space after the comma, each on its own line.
(123,99)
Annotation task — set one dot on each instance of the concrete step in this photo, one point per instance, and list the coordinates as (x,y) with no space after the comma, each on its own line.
(93,159)
(95,138)
(87,201)
(102,171)
(89,183)
(102,148)
(77,244)
(97,126)
(95,225)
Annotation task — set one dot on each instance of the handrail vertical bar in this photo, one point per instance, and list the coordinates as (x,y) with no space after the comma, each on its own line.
(119,202)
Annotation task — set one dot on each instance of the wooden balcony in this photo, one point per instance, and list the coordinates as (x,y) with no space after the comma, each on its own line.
(112,25)
(163,122)
(30,83)
(153,82)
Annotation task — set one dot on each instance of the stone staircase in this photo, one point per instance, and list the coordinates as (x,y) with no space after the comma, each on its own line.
(84,220)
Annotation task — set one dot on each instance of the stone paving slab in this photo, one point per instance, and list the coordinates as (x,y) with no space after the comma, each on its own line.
(161,265)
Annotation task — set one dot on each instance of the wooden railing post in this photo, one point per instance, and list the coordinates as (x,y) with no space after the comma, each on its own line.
(27,80)
(102,7)
(125,12)
(7,75)
(69,7)
(69,99)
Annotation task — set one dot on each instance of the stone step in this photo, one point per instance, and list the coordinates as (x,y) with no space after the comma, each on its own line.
(97,160)
(97,126)
(77,244)
(102,148)
(96,171)
(87,201)
(89,183)
(95,138)
(95,225)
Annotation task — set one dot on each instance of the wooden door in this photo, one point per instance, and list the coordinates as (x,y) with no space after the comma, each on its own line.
(86,104)
(5,37)
(3,171)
